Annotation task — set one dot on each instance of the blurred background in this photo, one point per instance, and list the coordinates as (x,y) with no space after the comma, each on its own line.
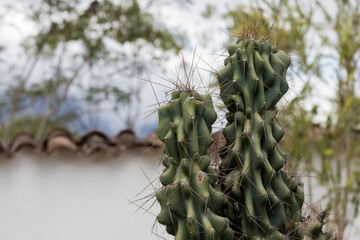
(101,67)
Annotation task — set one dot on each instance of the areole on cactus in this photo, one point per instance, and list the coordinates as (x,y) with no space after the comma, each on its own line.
(249,196)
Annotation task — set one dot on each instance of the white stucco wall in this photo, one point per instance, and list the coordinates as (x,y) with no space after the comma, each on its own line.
(58,198)
(70,198)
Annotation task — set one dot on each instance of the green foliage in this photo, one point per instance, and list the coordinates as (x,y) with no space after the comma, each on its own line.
(123,23)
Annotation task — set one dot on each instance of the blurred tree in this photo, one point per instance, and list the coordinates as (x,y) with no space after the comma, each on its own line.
(82,53)
(313,29)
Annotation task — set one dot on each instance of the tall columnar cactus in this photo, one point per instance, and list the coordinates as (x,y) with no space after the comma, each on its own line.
(264,200)
(189,197)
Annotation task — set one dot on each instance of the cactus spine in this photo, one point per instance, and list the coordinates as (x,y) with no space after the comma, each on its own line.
(188,196)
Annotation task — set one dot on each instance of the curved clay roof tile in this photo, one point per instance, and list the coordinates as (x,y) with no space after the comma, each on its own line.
(57,132)
(57,143)
(95,141)
(20,140)
(126,139)
(92,133)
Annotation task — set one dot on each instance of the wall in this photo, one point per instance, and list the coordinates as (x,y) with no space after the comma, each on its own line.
(70,197)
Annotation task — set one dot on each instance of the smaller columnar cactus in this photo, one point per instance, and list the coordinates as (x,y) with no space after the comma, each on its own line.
(189,198)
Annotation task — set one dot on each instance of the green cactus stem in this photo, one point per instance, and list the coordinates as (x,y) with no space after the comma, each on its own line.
(189,197)
(267,200)
(315,230)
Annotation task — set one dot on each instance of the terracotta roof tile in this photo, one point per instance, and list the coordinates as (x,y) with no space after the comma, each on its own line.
(59,131)
(21,140)
(59,143)
(95,141)
(89,135)
(58,139)
(126,139)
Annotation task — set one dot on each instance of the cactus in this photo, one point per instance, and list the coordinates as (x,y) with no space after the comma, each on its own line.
(189,197)
(249,196)
(268,200)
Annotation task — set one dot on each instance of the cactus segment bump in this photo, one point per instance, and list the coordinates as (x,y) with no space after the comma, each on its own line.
(189,196)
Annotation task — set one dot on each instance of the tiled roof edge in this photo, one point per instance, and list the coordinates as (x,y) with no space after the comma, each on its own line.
(60,138)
